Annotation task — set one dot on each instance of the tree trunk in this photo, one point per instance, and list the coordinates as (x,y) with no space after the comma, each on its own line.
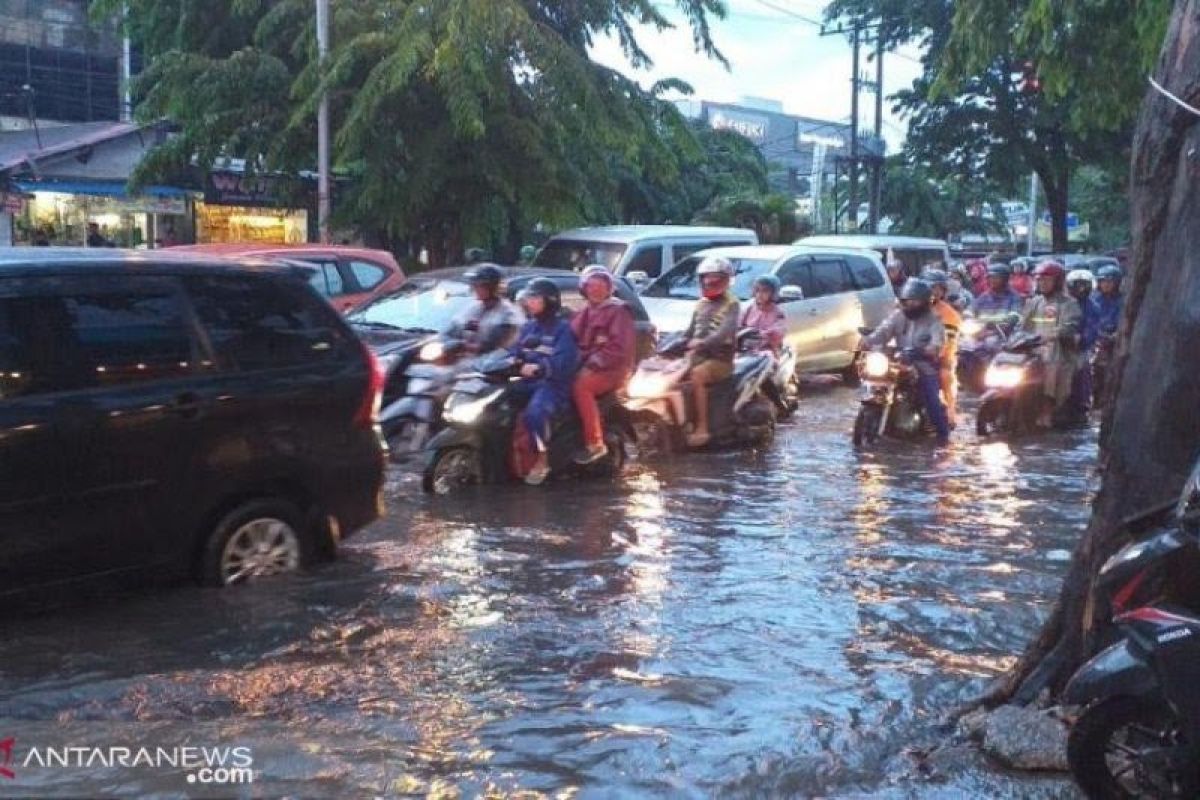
(1057,201)
(1151,433)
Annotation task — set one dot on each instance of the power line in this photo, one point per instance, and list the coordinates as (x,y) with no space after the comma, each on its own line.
(788,12)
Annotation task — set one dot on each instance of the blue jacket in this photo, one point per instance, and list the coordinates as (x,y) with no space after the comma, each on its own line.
(992,307)
(551,345)
(1089,320)
(1108,312)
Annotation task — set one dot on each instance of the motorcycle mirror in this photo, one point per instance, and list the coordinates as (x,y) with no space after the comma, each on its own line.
(790,294)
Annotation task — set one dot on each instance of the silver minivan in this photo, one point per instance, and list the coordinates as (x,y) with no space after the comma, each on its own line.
(914,252)
(639,252)
(827,295)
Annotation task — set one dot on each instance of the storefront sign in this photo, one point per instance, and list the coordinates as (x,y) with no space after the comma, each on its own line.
(12,203)
(233,189)
(752,126)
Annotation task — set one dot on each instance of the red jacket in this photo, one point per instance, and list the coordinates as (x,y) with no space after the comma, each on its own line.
(607,338)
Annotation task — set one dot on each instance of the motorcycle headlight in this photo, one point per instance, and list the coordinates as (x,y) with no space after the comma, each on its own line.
(432,351)
(876,365)
(971,327)
(648,385)
(1001,376)
(466,413)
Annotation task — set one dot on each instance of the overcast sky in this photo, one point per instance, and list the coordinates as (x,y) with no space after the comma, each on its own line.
(771,54)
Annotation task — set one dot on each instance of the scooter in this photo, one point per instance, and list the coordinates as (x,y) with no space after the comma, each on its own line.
(410,419)
(889,405)
(782,387)
(659,401)
(978,344)
(480,415)
(1139,733)
(1014,388)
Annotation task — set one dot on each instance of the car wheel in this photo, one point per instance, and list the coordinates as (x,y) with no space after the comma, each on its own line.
(258,539)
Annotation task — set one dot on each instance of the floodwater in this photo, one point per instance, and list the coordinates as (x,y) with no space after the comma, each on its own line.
(791,622)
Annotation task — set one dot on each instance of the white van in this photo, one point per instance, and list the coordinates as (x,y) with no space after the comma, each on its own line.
(915,253)
(639,252)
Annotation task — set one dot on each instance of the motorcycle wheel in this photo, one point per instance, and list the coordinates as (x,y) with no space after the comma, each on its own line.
(451,469)
(866,425)
(1119,747)
(653,439)
(992,418)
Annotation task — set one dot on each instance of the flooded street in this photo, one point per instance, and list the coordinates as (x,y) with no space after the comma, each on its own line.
(789,622)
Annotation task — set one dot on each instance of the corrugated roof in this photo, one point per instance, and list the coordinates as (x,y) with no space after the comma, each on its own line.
(21,147)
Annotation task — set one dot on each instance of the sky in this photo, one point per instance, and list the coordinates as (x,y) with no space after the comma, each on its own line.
(772,54)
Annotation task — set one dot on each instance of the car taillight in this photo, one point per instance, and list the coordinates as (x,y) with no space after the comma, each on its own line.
(368,412)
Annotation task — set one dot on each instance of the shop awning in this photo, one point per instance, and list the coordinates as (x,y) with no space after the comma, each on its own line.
(96,188)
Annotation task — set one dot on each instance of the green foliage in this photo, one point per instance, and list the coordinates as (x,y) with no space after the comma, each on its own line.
(772,216)
(921,204)
(1101,197)
(456,120)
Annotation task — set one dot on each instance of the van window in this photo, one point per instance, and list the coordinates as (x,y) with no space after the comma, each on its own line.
(368,276)
(98,337)
(796,272)
(648,260)
(326,279)
(259,323)
(866,274)
(575,254)
(915,260)
(829,276)
(682,283)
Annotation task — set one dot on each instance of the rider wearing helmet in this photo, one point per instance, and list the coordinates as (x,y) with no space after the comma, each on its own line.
(896,274)
(489,324)
(711,336)
(1022,284)
(960,294)
(549,357)
(920,334)
(607,341)
(1108,299)
(997,305)
(1080,285)
(939,283)
(1054,316)
(764,315)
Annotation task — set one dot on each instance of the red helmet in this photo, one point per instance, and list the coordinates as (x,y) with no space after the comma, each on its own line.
(1050,269)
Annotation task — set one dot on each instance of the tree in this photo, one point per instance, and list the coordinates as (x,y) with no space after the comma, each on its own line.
(1150,435)
(454,119)
(919,203)
(1101,196)
(1015,87)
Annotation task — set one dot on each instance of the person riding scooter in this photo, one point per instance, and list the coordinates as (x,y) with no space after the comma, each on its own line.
(1055,317)
(921,338)
(999,303)
(939,283)
(549,359)
(607,341)
(1107,302)
(1021,283)
(1080,285)
(711,336)
(764,315)
(896,275)
(489,324)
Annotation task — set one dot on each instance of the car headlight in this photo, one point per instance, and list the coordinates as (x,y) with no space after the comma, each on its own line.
(876,365)
(1001,376)
(648,385)
(467,413)
(971,327)
(432,351)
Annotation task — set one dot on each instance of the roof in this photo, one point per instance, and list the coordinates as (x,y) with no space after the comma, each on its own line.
(864,240)
(635,233)
(25,146)
(775,252)
(510,273)
(295,250)
(94,259)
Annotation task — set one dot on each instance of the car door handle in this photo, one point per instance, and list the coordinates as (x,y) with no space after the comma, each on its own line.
(187,405)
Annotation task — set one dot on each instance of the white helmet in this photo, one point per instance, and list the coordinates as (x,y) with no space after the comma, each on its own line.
(1084,275)
(715,265)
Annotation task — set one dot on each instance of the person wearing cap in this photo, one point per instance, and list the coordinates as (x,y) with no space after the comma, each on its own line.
(1054,315)
(711,336)
(920,337)
(998,303)
(607,339)
(939,284)
(491,322)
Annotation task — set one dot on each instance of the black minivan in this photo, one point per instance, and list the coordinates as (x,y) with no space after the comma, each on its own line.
(181,411)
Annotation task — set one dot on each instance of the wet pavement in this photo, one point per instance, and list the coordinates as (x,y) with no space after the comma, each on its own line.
(791,622)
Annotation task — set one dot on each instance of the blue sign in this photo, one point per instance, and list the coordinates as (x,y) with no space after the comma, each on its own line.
(1072,220)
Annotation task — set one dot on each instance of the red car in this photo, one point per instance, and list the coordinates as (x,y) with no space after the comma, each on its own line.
(348,276)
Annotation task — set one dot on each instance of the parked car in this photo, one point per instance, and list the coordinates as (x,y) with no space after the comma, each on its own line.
(396,325)
(827,294)
(915,253)
(640,253)
(347,276)
(172,410)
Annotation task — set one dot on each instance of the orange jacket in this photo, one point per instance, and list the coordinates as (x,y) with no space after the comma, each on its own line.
(952,321)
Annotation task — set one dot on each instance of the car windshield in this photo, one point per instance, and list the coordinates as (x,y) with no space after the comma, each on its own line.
(422,304)
(682,283)
(575,254)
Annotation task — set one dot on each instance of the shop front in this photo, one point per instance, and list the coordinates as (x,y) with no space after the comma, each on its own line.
(251,209)
(59,212)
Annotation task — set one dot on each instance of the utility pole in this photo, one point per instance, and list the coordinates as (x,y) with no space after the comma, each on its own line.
(854,156)
(323,207)
(1031,233)
(877,172)
(126,114)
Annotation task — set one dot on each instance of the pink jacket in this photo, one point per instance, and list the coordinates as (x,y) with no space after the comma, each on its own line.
(607,337)
(770,320)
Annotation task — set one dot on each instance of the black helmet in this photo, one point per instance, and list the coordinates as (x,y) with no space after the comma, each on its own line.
(999,269)
(936,277)
(486,275)
(769,282)
(916,289)
(548,291)
(1109,272)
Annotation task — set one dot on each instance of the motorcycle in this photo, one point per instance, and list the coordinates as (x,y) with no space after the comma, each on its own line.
(409,419)
(480,416)
(978,344)
(782,387)
(890,404)
(1139,733)
(659,401)
(1014,388)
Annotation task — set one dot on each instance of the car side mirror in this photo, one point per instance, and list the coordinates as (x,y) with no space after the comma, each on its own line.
(790,294)
(638,277)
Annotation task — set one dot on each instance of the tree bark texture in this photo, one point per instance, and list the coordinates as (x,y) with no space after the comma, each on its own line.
(1151,434)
